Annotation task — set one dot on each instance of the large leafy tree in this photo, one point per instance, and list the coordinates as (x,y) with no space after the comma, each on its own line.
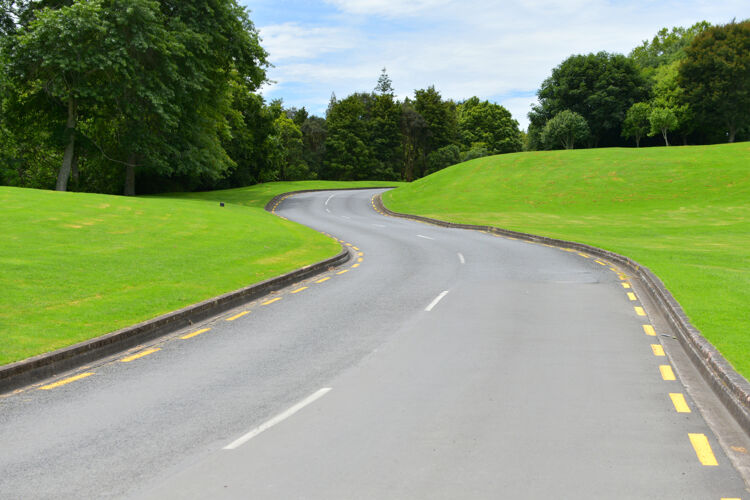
(349,152)
(59,56)
(565,129)
(441,117)
(489,124)
(148,86)
(600,87)
(716,76)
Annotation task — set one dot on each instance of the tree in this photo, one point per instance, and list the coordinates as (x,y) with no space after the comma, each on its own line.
(565,128)
(58,55)
(289,135)
(384,85)
(443,157)
(600,87)
(441,117)
(349,153)
(490,124)
(385,136)
(716,76)
(314,132)
(662,120)
(667,47)
(636,123)
(415,132)
(667,93)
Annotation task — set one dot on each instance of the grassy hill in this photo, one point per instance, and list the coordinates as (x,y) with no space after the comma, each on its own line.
(684,212)
(75,266)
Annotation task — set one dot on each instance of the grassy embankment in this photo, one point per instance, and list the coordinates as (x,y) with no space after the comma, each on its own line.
(684,212)
(75,266)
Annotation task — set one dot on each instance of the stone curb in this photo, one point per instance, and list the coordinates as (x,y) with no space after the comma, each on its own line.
(731,387)
(44,366)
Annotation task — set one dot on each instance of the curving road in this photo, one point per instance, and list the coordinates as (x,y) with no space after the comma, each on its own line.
(438,363)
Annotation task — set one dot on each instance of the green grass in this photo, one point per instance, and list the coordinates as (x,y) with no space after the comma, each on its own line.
(75,266)
(684,212)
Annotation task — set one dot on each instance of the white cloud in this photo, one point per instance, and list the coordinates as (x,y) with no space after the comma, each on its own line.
(387,8)
(495,50)
(293,41)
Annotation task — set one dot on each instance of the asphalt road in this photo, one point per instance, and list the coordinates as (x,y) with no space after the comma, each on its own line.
(438,363)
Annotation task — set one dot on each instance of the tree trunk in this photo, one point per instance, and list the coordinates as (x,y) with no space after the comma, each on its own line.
(664,133)
(74,173)
(732,132)
(130,176)
(70,129)
(638,141)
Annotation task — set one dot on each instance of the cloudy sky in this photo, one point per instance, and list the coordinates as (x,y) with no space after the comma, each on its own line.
(497,50)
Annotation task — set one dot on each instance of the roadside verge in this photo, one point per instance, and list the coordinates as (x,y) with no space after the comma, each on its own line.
(37,368)
(731,387)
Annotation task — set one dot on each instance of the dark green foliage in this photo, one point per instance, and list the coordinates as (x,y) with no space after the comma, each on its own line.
(126,87)
(441,117)
(442,158)
(349,153)
(314,132)
(565,129)
(600,87)
(716,76)
(490,124)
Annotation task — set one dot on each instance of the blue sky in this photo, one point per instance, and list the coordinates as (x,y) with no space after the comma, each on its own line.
(496,50)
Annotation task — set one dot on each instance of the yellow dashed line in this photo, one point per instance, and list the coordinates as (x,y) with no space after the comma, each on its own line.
(348,244)
(191,335)
(631,296)
(361,254)
(639,311)
(703,449)
(666,372)
(342,272)
(658,349)
(678,400)
(649,330)
(299,289)
(625,285)
(600,262)
(323,279)
(360,259)
(65,381)
(271,301)
(584,255)
(355,248)
(238,315)
(138,355)
(354,266)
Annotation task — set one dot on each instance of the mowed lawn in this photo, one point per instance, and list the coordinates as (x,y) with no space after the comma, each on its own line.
(74,266)
(684,212)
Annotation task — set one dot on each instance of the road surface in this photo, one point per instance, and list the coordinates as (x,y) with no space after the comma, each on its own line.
(438,363)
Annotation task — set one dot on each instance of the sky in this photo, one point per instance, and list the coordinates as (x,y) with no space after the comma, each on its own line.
(497,50)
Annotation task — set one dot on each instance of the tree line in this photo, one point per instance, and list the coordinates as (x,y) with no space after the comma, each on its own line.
(690,84)
(126,96)
(142,96)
